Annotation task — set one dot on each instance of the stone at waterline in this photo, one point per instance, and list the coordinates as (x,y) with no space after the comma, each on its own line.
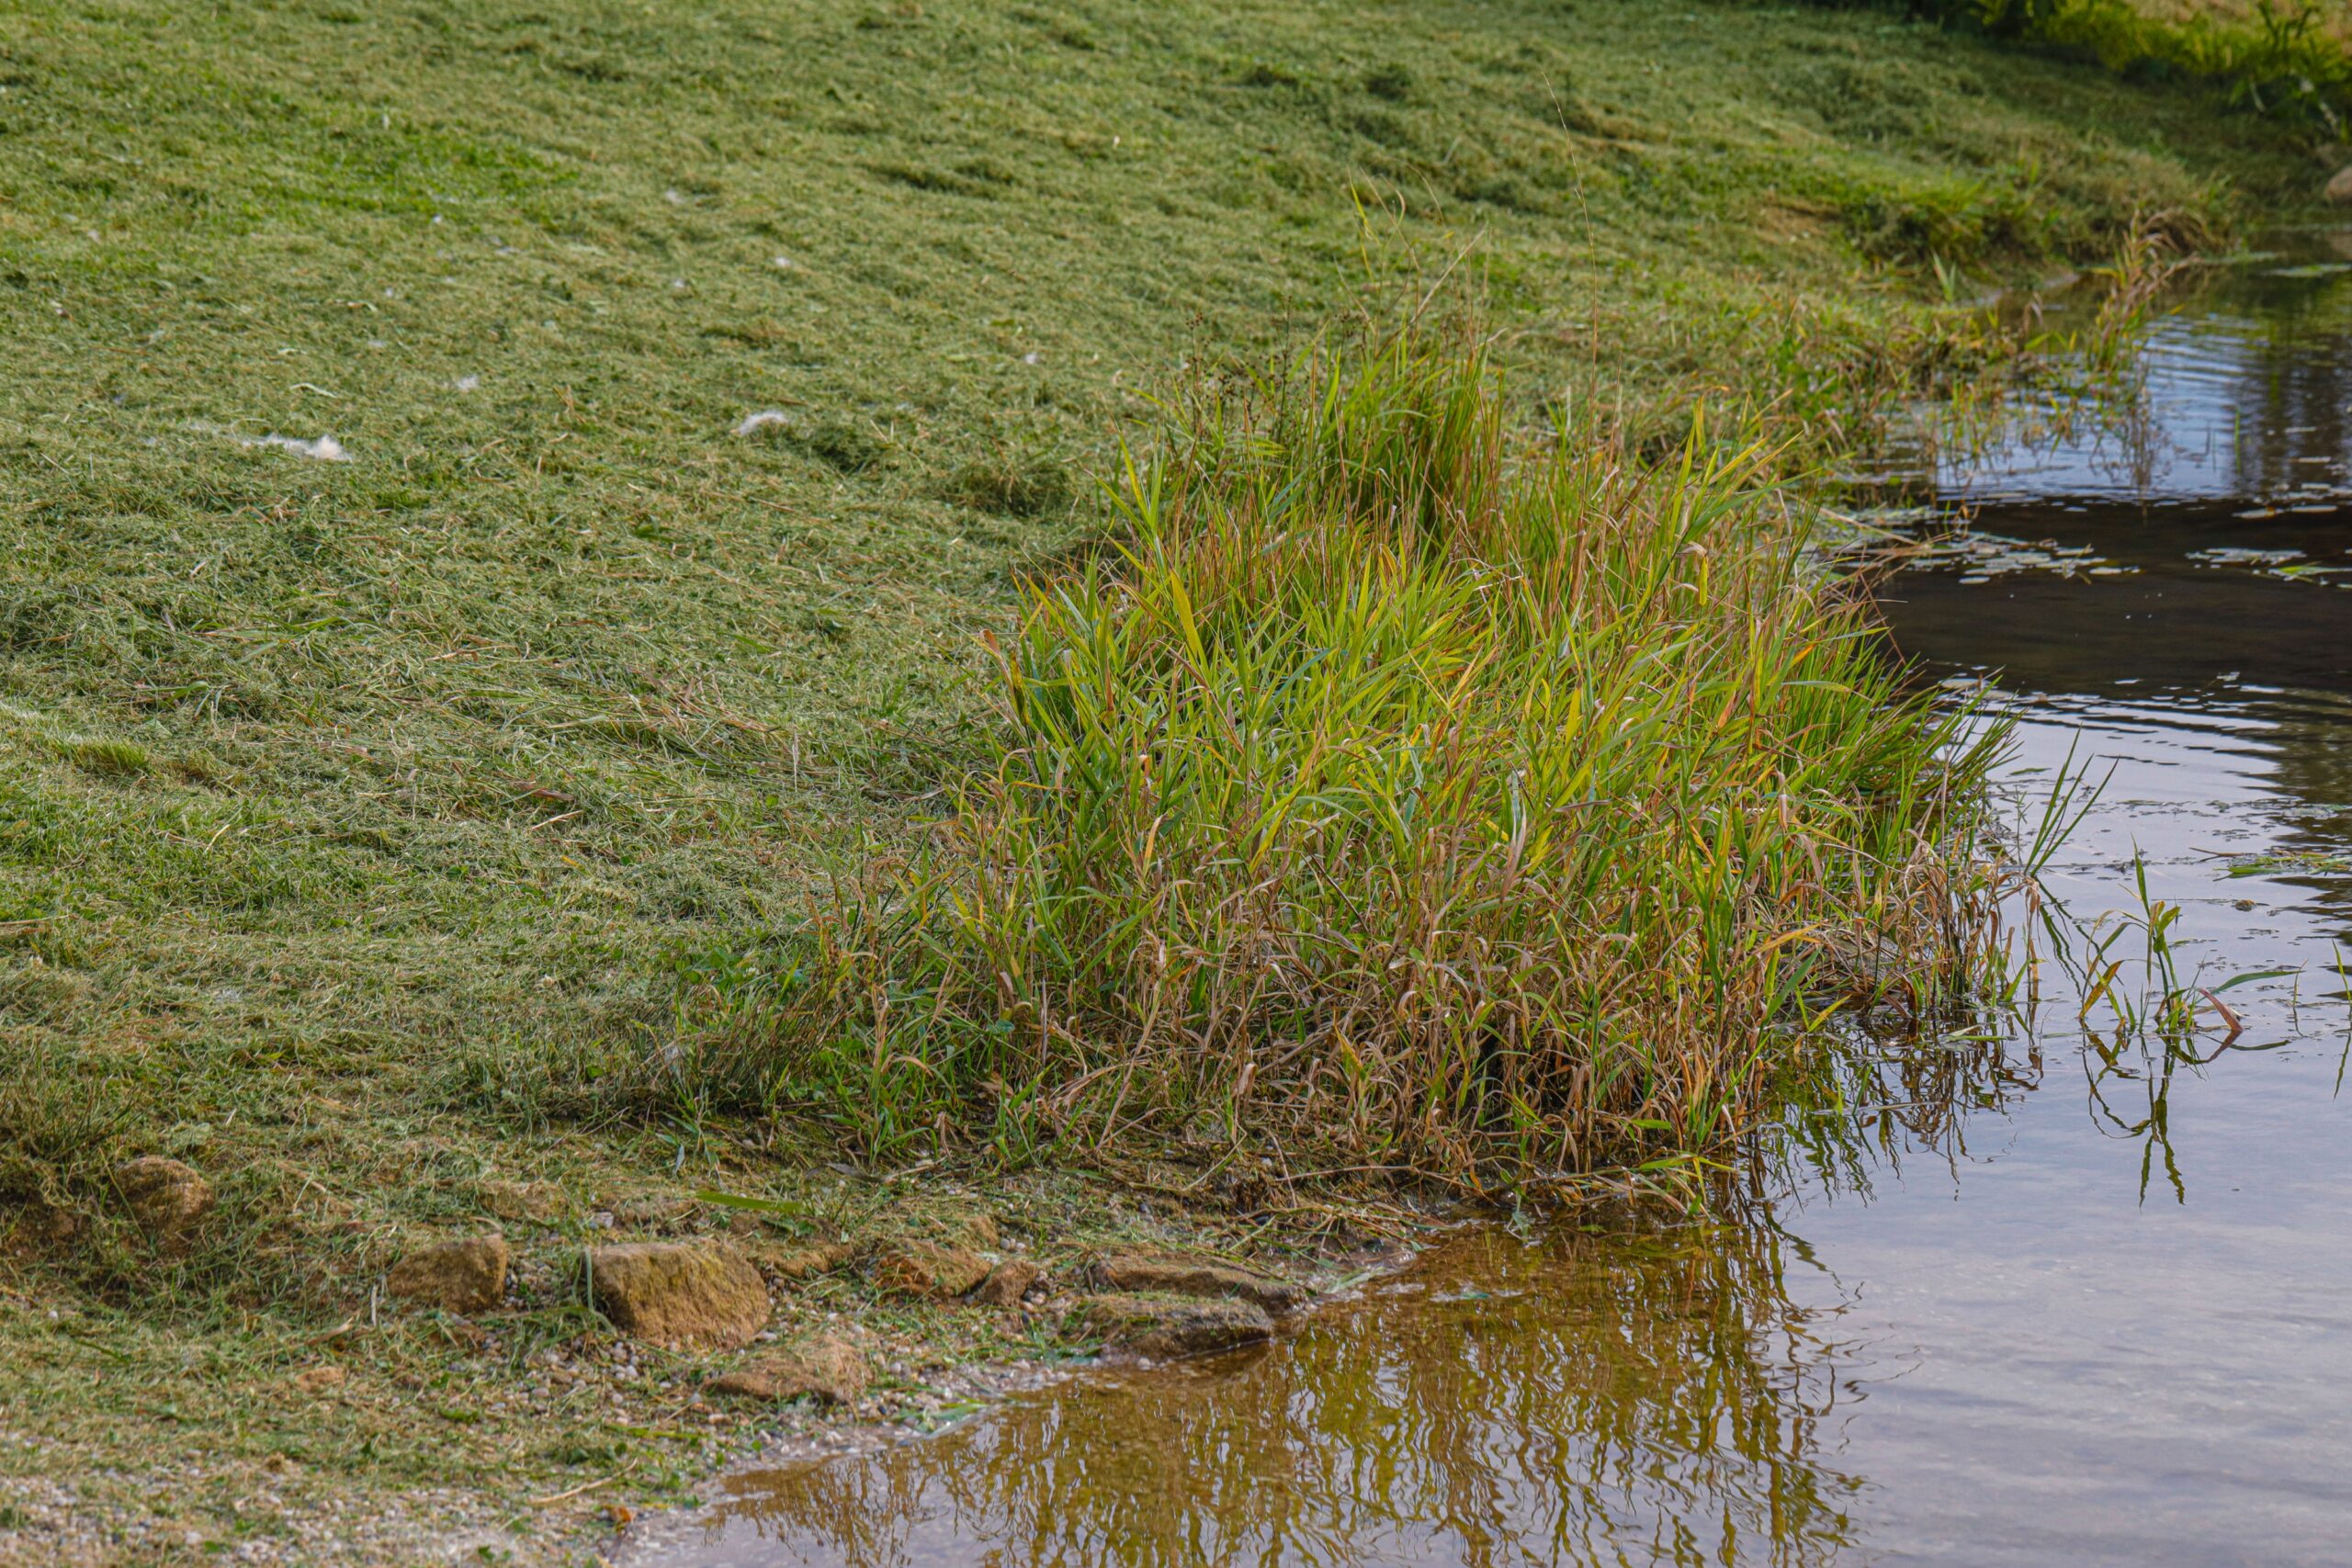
(1179,1276)
(1165,1327)
(827,1366)
(1007,1284)
(2339,189)
(927,1269)
(681,1294)
(463,1277)
(166,1197)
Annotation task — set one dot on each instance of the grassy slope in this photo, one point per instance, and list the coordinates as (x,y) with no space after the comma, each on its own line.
(354,814)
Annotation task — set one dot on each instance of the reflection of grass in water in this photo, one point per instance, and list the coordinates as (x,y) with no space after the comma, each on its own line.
(1855,1112)
(2157,1020)
(2142,1018)
(1894,1090)
(2074,364)
(1600,1391)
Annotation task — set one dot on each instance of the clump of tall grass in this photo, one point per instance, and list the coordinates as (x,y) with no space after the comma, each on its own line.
(1396,795)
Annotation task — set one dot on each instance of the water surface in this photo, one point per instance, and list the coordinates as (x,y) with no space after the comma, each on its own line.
(2046,1298)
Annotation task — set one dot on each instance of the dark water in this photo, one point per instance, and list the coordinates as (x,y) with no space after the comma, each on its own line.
(2048,1298)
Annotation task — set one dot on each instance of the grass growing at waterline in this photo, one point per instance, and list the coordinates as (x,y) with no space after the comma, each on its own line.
(363,822)
(1398,794)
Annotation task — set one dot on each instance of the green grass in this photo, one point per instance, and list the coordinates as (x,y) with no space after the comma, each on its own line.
(2286,59)
(1402,794)
(366,827)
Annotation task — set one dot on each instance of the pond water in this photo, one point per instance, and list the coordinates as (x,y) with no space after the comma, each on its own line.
(2046,1298)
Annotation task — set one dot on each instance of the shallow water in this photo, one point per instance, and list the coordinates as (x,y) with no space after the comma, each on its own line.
(2049,1300)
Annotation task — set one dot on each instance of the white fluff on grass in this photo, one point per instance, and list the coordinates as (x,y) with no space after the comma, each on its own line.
(325,449)
(753,424)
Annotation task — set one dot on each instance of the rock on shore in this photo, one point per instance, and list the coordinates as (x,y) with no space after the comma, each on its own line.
(1172,1275)
(685,1295)
(828,1366)
(1165,1328)
(464,1276)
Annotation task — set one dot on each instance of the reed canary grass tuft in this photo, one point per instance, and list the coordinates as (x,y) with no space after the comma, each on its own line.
(1398,794)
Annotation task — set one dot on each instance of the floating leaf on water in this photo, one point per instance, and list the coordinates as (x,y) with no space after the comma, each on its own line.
(1980,558)
(2291,863)
(2289,565)
(2238,554)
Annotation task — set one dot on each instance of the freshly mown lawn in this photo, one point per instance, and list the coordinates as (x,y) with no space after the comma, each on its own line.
(368,811)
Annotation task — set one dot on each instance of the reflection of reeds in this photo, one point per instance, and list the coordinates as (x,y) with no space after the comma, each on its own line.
(1897,1091)
(2072,373)
(2158,1020)
(2118,982)
(1649,1395)
(1902,1085)
(2147,260)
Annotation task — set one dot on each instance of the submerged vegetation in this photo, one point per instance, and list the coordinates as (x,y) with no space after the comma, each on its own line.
(1399,794)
